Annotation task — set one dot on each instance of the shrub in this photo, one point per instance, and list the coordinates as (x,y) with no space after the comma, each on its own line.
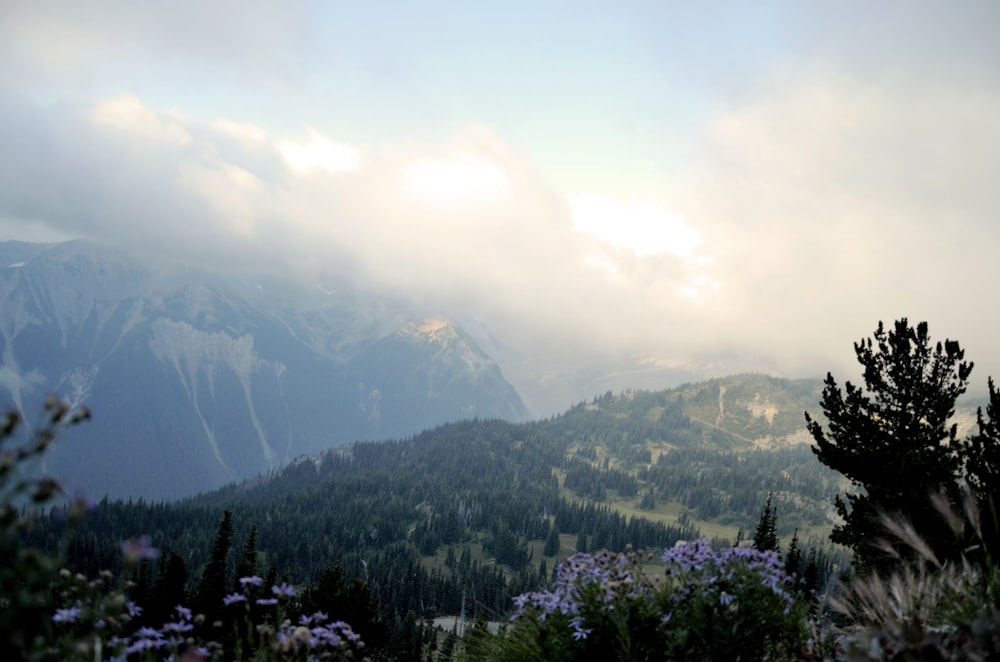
(49,613)
(728,604)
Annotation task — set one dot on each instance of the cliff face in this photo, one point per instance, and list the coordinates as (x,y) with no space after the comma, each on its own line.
(197,382)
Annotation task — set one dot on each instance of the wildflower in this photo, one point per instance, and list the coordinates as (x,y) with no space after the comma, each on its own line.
(233,599)
(149,633)
(253,580)
(184,612)
(71,615)
(178,628)
(267,601)
(138,549)
(134,610)
(283,591)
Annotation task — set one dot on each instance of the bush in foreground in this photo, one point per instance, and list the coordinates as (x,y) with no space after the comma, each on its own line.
(731,604)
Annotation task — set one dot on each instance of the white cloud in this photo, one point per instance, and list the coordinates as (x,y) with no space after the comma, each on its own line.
(319,153)
(461,179)
(811,211)
(126,113)
(245,131)
(642,225)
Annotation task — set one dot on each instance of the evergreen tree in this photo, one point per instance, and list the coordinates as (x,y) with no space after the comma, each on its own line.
(810,575)
(893,440)
(983,472)
(551,542)
(765,536)
(351,602)
(212,587)
(793,559)
(248,559)
(983,454)
(169,590)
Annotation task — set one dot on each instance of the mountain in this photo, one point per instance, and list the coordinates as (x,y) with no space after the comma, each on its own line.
(704,454)
(196,380)
(460,517)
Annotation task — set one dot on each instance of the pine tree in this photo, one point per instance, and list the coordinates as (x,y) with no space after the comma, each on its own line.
(983,474)
(765,536)
(893,440)
(248,559)
(551,542)
(212,587)
(169,590)
(983,455)
(793,558)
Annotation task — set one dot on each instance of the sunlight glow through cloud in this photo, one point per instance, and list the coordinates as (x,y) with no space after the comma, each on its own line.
(642,225)
(458,180)
(319,152)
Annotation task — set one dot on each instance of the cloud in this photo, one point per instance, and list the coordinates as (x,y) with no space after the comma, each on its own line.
(78,46)
(848,180)
(126,113)
(831,201)
(462,224)
(319,152)
(642,225)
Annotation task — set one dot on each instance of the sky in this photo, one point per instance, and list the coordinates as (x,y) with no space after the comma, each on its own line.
(708,186)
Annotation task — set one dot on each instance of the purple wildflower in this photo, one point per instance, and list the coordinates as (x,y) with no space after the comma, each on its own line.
(233,598)
(253,580)
(71,615)
(139,549)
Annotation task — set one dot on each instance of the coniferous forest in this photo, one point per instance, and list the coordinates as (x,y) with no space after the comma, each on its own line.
(422,548)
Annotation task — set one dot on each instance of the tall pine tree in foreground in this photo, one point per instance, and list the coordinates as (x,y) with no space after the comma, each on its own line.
(212,587)
(892,438)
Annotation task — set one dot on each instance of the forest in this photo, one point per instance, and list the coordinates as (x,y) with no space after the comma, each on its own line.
(424,544)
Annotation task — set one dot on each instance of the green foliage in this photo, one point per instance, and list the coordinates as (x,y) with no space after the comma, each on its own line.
(893,438)
(350,601)
(213,585)
(48,612)
(710,605)
(927,609)
(765,536)
(551,542)
(28,574)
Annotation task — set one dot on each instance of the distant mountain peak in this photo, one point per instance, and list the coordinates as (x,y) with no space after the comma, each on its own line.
(437,331)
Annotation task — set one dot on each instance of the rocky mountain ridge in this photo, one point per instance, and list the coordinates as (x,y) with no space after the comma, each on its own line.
(196,380)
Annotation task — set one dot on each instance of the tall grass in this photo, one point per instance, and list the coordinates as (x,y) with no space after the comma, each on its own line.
(928,608)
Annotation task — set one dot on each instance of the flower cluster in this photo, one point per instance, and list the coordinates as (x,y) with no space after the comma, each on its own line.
(709,604)
(602,579)
(171,637)
(312,635)
(696,567)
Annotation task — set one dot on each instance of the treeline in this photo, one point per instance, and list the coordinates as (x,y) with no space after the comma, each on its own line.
(455,520)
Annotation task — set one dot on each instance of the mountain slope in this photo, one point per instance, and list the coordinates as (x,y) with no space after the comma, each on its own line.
(195,381)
